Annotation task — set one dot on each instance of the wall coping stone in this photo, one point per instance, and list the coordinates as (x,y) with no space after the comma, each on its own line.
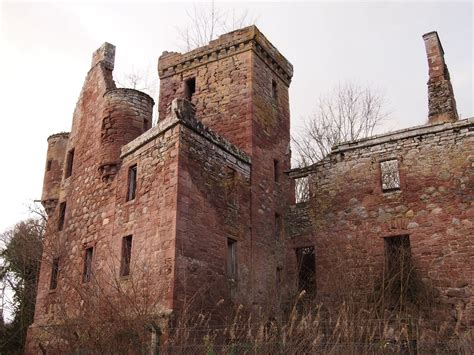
(183,112)
(390,137)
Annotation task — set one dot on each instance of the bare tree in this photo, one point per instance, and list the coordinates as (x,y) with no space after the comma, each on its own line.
(207,21)
(20,255)
(349,112)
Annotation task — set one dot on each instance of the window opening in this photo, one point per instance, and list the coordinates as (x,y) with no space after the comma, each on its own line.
(231,259)
(132,182)
(69,162)
(390,175)
(306,269)
(62,215)
(54,274)
(126,255)
(86,276)
(190,88)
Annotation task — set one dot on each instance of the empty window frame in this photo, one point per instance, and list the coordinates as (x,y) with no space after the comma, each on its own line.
(231,259)
(302,189)
(274,90)
(276,170)
(398,256)
(306,263)
(132,182)
(189,88)
(278,279)
(277,226)
(62,215)
(49,163)
(69,162)
(87,272)
(126,255)
(54,274)
(146,123)
(390,176)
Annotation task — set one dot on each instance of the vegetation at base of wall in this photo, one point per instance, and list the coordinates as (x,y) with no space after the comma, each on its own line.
(400,315)
(20,257)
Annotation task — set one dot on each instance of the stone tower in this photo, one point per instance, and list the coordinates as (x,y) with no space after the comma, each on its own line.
(239,87)
(192,207)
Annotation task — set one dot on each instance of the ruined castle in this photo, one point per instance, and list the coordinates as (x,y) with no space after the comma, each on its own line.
(203,202)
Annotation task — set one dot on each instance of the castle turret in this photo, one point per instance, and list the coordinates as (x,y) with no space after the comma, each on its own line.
(441,102)
(127,114)
(57,145)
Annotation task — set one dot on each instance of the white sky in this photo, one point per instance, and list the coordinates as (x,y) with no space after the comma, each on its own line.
(46,50)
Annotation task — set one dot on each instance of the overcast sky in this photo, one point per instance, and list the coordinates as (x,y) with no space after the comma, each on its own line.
(46,51)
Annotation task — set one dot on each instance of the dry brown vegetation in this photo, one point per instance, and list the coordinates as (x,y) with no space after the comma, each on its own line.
(400,316)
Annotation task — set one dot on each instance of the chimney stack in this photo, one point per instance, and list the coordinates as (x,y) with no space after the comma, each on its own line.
(105,54)
(441,102)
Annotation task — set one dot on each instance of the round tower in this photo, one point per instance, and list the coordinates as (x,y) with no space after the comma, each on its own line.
(57,145)
(127,114)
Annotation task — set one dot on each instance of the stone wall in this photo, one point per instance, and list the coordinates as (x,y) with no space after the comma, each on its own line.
(349,215)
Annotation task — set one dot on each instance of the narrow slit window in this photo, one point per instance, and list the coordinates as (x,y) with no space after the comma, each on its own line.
(231,259)
(69,162)
(54,274)
(189,88)
(62,215)
(87,273)
(278,279)
(274,90)
(132,182)
(49,163)
(145,124)
(126,255)
(276,170)
(277,226)
(390,175)
(305,258)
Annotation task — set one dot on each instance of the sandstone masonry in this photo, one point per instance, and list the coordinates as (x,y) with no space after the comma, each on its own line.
(201,206)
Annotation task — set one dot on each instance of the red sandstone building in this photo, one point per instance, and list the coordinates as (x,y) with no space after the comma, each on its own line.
(201,206)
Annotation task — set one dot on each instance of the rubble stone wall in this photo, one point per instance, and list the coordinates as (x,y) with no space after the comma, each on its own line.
(349,215)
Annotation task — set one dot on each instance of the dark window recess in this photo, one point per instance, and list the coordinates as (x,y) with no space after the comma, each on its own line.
(274,90)
(145,124)
(48,165)
(276,170)
(306,269)
(390,175)
(398,273)
(87,273)
(189,88)
(277,226)
(231,259)
(132,182)
(126,255)
(62,215)
(54,274)
(278,278)
(69,162)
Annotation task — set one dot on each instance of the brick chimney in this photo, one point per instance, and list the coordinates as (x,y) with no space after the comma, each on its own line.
(441,102)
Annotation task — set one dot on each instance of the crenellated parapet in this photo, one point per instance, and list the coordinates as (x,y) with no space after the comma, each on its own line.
(249,38)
